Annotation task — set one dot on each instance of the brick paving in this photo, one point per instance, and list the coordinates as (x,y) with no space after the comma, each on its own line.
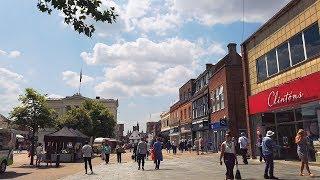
(186,167)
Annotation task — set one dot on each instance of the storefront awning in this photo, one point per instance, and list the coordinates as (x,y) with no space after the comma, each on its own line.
(298,91)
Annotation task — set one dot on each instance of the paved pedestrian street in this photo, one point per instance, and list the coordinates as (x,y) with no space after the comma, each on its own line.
(189,168)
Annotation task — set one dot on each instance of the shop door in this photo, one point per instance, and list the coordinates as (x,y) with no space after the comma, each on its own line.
(286,138)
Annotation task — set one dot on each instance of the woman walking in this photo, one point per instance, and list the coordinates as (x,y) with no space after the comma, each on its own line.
(228,153)
(303,151)
(157,147)
(106,149)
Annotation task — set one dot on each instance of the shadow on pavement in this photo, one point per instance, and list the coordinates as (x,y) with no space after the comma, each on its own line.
(39,167)
(164,169)
(12,174)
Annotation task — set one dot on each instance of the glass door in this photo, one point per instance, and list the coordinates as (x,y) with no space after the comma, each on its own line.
(286,139)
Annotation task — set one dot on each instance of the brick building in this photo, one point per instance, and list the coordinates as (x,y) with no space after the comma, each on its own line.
(185,109)
(227,98)
(200,104)
(174,122)
(165,128)
(282,73)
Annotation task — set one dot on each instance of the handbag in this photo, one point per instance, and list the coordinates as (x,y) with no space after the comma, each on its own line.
(238,174)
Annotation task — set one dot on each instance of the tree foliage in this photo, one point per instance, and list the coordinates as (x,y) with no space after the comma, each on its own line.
(33,112)
(77,13)
(92,118)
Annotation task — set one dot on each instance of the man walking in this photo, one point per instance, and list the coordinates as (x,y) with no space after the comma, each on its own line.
(243,141)
(87,154)
(142,151)
(267,149)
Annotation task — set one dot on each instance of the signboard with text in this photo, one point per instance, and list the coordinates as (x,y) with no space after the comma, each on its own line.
(295,92)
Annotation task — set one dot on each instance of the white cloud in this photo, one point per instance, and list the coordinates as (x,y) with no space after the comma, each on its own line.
(210,12)
(72,79)
(159,23)
(10,89)
(11,54)
(147,68)
(14,54)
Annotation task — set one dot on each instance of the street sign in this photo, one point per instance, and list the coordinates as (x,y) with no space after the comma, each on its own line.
(223,122)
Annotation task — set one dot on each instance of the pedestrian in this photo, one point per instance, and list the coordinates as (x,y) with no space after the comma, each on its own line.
(303,151)
(174,147)
(87,155)
(142,151)
(157,153)
(268,146)
(228,153)
(201,144)
(168,146)
(39,152)
(259,145)
(135,155)
(189,145)
(119,151)
(196,145)
(106,149)
(49,152)
(243,141)
(20,148)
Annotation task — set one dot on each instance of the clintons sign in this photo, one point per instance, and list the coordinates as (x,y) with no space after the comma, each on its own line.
(292,93)
(277,99)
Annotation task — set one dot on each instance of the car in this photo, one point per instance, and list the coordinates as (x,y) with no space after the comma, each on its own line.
(7,144)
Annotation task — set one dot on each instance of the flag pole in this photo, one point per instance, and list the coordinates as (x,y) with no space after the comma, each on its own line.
(80,80)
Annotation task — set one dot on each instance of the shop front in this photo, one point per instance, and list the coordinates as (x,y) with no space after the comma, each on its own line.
(174,134)
(200,128)
(185,131)
(218,130)
(285,109)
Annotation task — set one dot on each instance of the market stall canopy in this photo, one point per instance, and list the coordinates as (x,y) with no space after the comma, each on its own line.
(18,136)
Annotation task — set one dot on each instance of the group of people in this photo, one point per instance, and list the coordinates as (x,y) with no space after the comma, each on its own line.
(186,145)
(155,150)
(266,146)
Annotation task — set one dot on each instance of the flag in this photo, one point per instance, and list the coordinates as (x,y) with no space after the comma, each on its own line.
(81,75)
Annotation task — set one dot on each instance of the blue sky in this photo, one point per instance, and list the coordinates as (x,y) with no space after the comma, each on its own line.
(155,46)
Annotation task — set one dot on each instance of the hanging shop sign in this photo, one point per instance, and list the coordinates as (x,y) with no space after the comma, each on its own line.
(293,93)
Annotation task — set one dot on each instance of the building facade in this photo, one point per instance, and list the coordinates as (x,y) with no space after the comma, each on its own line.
(119,132)
(227,100)
(61,105)
(174,122)
(165,128)
(185,109)
(4,122)
(200,104)
(282,72)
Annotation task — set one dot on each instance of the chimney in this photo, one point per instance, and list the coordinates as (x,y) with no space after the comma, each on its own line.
(208,66)
(232,47)
(97,97)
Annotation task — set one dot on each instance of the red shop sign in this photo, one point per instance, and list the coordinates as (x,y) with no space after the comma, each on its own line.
(289,94)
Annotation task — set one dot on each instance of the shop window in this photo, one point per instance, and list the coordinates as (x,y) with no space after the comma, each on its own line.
(261,68)
(283,56)
(221,97)
(312,40)
(272,62)
(268,118)
(217,99)
(296,49)
(285,116)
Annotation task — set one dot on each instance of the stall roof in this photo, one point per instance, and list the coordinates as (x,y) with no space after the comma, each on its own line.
(78,133)
(64,132)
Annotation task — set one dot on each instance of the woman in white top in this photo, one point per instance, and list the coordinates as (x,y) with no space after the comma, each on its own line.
(228,152)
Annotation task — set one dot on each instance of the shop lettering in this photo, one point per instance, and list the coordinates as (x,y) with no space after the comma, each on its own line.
(275,98)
